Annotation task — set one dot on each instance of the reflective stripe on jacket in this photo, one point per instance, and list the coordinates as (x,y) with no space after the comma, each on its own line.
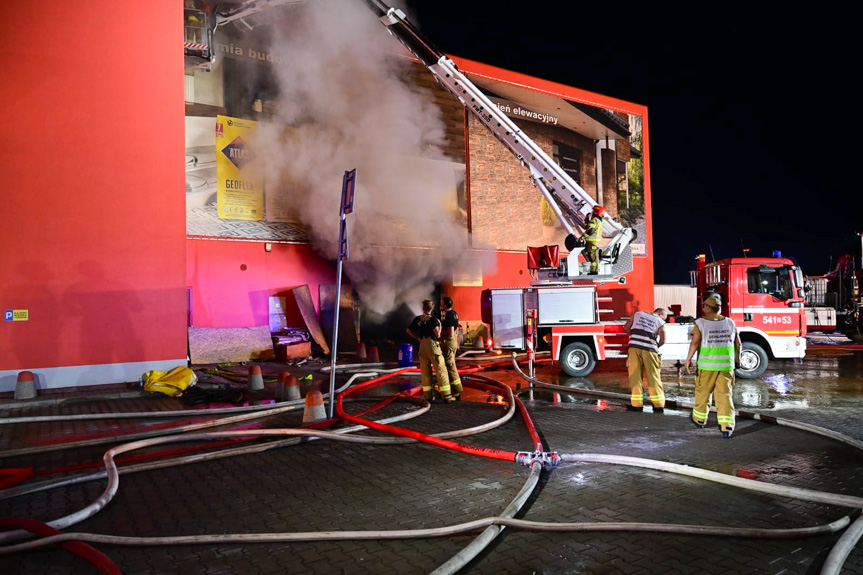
(717,344)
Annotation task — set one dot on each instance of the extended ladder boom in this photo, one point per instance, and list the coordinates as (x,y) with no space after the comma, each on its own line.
(569,201)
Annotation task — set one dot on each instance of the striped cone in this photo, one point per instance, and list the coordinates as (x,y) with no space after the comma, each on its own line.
(292,388)
(256,380)
(25,388)
(361,350)
(280,385)
(314,410)
(373,354)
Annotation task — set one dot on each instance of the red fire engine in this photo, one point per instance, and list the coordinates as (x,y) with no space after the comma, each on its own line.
(765,298)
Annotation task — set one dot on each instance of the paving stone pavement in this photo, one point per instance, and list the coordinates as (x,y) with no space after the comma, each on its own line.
(326,485)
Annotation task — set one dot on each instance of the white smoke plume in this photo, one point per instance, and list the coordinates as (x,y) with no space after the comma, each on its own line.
(344,95)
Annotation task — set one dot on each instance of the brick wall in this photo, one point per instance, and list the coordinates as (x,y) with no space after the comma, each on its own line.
(452,112)
(609,177)
(505,206)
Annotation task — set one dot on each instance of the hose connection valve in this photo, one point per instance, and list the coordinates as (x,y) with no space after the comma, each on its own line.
(550,458)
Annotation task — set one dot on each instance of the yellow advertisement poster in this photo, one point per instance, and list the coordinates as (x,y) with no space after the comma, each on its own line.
(240,191)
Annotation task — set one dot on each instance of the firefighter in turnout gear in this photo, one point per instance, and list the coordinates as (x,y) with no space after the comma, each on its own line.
(426,329)
(717,342)
(646,336)
(449,344)
(592,237)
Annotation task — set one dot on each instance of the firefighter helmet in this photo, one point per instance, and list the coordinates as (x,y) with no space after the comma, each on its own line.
(598,211)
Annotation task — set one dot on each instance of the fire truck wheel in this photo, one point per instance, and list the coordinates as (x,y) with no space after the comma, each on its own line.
(577,359)
(753,361)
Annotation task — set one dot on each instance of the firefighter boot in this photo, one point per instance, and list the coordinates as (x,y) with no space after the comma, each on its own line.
(443,395)
(456,389)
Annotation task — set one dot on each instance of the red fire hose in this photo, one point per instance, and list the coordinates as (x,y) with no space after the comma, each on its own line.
(425,438)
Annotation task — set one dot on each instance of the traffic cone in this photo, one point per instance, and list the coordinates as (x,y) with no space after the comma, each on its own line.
(373,354)
(361,350)
(480,342)
(256,380)
(292,388)
(280,385)
(25,388)
(314,410)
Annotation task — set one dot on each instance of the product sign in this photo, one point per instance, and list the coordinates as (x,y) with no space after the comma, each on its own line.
(240,191)
(16,315)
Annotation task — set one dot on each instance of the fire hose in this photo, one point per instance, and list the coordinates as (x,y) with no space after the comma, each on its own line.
(494,524)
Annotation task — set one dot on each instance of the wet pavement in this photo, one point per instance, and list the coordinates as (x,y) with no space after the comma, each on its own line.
(285,486)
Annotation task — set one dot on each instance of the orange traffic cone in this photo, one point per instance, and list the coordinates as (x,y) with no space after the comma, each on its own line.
(280,385)
(292,388)
(25,388)
(256,380)
(480,342)
(373,354)
(361,350)
(314,410)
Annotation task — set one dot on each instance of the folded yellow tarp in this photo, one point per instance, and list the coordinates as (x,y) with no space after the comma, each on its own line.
(171,383)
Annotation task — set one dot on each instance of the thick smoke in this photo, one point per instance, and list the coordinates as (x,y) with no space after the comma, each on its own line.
(344,96)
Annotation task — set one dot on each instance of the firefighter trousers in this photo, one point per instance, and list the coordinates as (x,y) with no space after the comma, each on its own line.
(449,347)
(720,384)
(644,363)
(431,358)
(591,254)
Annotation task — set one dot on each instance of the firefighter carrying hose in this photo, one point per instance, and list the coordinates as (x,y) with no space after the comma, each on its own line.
(592,237)
(426,329)
(717,342)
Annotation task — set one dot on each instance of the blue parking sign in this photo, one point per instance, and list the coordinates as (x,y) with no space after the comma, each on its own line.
(7,315)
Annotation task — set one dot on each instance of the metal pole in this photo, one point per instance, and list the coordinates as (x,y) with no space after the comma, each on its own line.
(347,206)
(335,338)
(531,340)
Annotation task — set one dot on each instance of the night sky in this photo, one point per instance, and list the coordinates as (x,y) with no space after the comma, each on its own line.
(753,120)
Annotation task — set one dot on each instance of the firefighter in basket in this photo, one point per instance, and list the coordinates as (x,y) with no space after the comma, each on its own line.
(592,237)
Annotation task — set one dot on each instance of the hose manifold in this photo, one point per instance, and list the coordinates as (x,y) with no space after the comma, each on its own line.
(550,458)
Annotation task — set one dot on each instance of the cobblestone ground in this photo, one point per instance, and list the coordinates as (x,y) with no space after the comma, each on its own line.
(327,485)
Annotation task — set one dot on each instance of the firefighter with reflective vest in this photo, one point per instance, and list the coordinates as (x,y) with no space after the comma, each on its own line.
(717,342)
(426,329)
(646,335)
(592,237)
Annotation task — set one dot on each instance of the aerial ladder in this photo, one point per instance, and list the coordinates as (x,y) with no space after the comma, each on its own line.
(570,202)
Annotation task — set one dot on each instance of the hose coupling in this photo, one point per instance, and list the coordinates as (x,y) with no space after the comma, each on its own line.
(550,458)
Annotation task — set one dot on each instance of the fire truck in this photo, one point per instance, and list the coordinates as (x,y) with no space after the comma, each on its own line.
(561,310)
(765,298)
